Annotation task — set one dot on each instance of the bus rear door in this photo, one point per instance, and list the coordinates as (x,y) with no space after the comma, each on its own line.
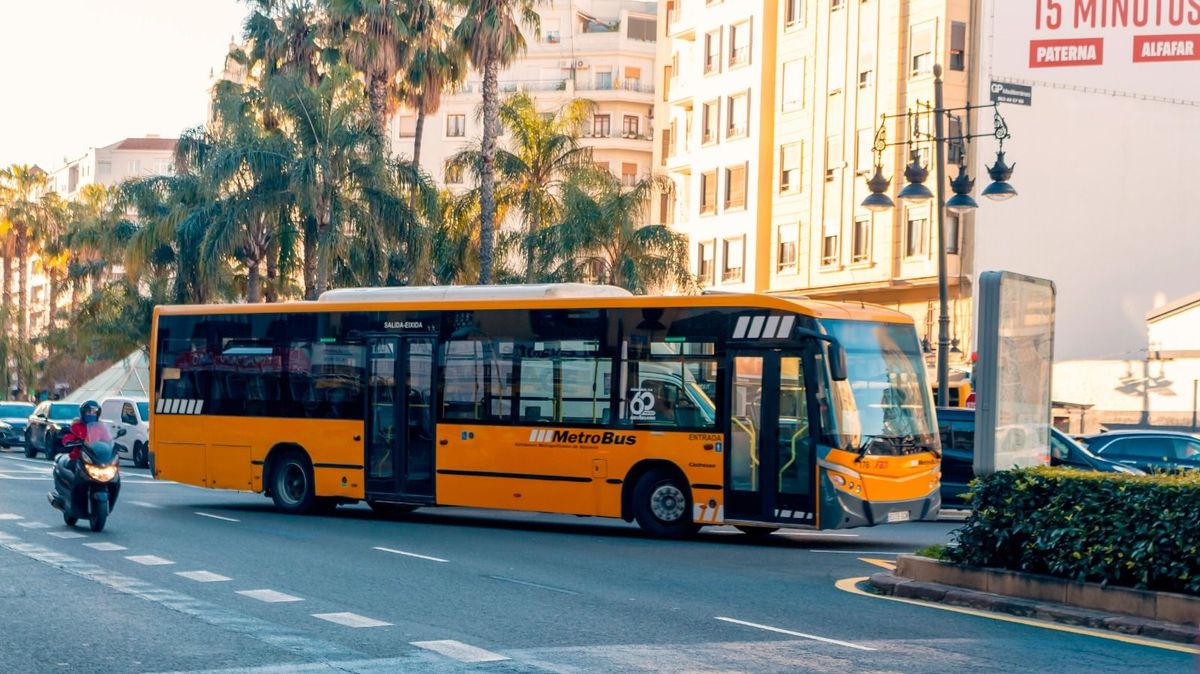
(769,463)
(400,419)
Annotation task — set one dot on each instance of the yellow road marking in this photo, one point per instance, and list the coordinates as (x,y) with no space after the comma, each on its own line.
(890,566)
(851,585)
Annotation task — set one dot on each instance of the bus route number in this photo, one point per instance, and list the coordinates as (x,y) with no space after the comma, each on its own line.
(641,405)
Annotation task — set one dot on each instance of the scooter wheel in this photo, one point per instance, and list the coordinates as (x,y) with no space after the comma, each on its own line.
(70,520)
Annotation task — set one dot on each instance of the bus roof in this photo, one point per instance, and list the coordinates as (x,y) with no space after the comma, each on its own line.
(544,296)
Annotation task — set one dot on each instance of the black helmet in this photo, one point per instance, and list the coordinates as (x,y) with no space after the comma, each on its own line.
(90,407)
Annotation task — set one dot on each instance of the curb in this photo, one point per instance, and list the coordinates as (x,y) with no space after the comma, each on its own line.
(899,586)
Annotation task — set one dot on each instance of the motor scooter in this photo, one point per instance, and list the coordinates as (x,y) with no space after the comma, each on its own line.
(90,490)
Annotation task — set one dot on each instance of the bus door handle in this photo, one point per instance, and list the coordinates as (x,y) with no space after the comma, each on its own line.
(357,437)
(443,442)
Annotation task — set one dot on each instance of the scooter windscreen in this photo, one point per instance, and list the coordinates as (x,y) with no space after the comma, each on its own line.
(98,445)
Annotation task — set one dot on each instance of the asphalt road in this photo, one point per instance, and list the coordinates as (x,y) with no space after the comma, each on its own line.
(186,579)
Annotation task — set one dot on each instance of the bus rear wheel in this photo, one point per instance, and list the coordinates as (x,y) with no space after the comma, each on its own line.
(292,486)
(662,506)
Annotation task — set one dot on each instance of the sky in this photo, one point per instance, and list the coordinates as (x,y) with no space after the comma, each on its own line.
(78,74)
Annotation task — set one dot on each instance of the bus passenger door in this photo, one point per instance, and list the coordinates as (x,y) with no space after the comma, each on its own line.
(400,425)
(769,460)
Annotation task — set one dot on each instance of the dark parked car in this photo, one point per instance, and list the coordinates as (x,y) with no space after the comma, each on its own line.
(49,422)
(14,415)
(957,426)
(1151,451)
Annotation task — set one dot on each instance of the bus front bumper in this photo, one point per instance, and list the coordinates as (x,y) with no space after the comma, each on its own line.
(849,511)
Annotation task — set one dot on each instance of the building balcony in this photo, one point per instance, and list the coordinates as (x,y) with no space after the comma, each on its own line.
(616,140)
(680,25)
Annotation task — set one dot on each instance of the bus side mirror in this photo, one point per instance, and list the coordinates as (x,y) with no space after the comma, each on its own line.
(837,362)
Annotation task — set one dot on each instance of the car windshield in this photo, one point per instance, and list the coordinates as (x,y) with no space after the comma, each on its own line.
(885,406)
(143,411)
(15,410)
(63,411)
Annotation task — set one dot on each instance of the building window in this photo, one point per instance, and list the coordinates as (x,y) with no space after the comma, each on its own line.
(958,45)
(629,126)
(708,193)
(793,84)
(735,187)
(866,66)
(733,259)
(739,115)
(602,165)
(712,51)
(833,157)
(790,158)
(916,234)
(408,126)
(865,151)
(709,121)
(920,45)
(829,245)
(604,80)
(794,12)
(629,173)
(835,5)
(135,167)
(666,151)
(739,44)
(641,29)
(785,255)
(705,264)
(861,246)
(601,126)
(952,233)
(456,126)
(453,174)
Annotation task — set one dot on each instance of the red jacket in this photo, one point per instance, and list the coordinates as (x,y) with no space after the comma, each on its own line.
(80,433)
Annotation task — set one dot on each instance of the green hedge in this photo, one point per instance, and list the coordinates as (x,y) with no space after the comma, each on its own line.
(1134,531)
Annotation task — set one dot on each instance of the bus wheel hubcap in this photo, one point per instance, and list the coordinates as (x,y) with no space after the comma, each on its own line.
(293,483)
(667,503)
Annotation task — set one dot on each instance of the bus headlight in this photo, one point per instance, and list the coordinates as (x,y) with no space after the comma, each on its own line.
(101,473)
(838,479)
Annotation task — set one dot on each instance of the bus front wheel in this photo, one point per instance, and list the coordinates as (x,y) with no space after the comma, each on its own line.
(662,506)
(292,486)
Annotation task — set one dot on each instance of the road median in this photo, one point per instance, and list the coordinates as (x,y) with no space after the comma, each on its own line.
(1156,615)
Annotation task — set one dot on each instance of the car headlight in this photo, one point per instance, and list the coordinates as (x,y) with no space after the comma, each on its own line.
(101,473)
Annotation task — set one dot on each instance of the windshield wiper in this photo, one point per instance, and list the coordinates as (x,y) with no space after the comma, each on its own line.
(894,446)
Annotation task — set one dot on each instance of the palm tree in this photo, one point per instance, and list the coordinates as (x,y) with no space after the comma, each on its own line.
(491,35)
(26,184)
(89,238)
(434,63)
(544,153)
(374,35)
(53,255)
(602,236)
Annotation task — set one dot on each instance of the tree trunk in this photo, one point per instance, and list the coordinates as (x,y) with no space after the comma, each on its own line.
(22,287)
(310,259)
(271,289)
(6,270)
(487,181)
(377,93)
(54,290)
(417,138)
(531,247)
(253,282)
(322,268)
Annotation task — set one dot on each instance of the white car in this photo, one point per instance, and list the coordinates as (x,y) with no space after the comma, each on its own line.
(131,415)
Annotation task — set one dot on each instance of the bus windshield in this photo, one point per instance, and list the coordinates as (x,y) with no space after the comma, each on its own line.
(884,407)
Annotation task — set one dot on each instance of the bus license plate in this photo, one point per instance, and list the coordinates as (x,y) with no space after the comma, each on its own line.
(901,516)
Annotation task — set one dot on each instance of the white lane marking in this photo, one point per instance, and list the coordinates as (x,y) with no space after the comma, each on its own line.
(217,517)
(33,525)
(412,554)
(6,476)
(10,516)
(145,504)
(459,651)
(203,576)
(820,534)
(863,552)
(269,596)
(350,619)
(105,547)
(802,635)
(66,534)
(149,560)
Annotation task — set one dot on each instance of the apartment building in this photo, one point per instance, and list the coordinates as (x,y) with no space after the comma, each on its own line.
(112,164)
(600,50)
(770,110)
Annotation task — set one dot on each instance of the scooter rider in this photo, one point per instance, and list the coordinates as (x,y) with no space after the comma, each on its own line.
(86,428)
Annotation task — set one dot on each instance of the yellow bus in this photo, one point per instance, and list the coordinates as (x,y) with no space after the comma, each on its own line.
(676,412)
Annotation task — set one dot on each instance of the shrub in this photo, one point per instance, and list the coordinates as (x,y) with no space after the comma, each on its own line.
(1135,531)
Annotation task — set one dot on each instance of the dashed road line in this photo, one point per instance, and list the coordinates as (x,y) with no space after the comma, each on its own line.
(527,583)
(350,619)
(802,635)
(149,560)
(459,651)
(851,585)
(105,547)
(10,517)
(269,596)
(203,576)
(865,552)
(66,534)
(145,504)
(412,554)
(217,517)
(816,534)
(33,525)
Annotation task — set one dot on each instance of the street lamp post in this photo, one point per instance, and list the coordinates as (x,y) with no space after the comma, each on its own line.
(915,191)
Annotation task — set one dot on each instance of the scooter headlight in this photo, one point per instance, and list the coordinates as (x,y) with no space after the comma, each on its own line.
(101,473)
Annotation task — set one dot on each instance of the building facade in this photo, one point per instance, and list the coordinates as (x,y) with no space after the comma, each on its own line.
(115,163)
(600,50)
(770,110)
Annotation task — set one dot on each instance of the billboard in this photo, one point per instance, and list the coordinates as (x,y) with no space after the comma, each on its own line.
(1012,376)
(1142,48)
